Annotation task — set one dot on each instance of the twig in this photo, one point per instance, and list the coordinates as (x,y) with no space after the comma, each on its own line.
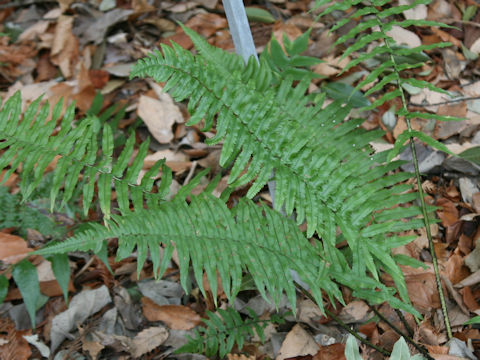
(343,325)
(404,322)
(446,101)
(420,348)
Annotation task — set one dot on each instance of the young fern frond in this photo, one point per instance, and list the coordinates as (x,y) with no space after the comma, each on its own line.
(323,166)
(224,330)
(29,142)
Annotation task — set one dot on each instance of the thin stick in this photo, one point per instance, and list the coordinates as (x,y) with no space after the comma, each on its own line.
(404,322)
(343,325)
(401,333)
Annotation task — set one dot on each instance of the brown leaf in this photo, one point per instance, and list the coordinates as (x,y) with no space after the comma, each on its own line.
(207,24)
(177,317)
(13,248)
(65,46)
(147,340)
(455,269)
(297,343)
(331,352)
(14,346)
(449,213)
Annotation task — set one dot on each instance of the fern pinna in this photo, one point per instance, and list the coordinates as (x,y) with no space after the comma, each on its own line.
(29,141)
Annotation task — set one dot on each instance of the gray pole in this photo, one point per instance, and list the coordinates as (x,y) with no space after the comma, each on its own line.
(239,28)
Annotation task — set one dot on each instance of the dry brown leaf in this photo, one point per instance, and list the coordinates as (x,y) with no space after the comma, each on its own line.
(331,352)
(448,212)
(147,340)
(207,24)
(13,248)
(421,286)
(159,115)
(355,312)
(14,346)
(65,46)
(298,342)
(177,317)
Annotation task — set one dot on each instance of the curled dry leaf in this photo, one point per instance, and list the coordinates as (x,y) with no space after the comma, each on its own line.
(177,317)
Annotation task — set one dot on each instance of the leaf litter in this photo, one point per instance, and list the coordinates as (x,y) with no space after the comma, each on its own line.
(74,49)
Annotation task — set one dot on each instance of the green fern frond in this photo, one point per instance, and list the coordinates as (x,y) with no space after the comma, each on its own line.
(216,241)
(29,142)
(323,168)
(225,329)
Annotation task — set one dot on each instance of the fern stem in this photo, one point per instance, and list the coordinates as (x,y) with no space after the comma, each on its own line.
(420,191)
(343,325)
(408,338)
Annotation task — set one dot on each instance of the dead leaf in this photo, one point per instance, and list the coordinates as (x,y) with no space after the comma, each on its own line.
(404,37)
(448,212)
(82,306)
(418,12)
(159,115)
(177,317)
(207,24)
(14,346)
(331,352)
(355,312)
(147,340)
(297,343)
(64,51)
(13,248)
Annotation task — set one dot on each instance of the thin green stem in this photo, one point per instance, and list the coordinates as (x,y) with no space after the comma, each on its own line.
(420,192)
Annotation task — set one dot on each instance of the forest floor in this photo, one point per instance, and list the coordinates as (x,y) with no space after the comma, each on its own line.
(77,49)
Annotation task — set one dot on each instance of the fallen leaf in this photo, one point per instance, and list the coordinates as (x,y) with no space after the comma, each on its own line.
(355,312)
(159,115)
(404,37)
(13,345)
(448,212)
(331,352)
(298,342)
(13,248)
(147,340)
(177,317)
(64,51)
(418,12)
(82,306)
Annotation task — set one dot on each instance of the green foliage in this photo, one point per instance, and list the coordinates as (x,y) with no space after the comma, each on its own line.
(325,172)
(224,330)
(217,241)
(323,165)
(26,278)
(400,351)
(23,216)
(391,63)
(29,142)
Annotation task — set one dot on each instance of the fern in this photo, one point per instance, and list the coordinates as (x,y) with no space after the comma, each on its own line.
(224,330)
(23,216)
(323,165)
(324,169)
(29,142)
